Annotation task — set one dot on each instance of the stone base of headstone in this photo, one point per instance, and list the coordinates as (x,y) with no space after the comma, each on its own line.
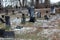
(39,15)
(32,19)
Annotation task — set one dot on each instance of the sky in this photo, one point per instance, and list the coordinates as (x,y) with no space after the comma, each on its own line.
(54,1)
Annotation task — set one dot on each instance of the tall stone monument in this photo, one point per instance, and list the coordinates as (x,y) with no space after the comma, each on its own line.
(7,21)
(31,12)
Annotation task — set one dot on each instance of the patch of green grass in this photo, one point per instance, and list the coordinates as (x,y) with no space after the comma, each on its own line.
(7,28)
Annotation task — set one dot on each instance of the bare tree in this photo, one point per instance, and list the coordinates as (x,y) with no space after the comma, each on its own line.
(20,3)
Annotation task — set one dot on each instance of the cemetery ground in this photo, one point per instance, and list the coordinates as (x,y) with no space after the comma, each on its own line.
(40,30)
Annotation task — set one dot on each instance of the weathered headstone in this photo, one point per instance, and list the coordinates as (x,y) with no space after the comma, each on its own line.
(7,21)
(31,12)
(2,32)
(23,19)
(39,15)
(13,12)
(46,11)
(52,10)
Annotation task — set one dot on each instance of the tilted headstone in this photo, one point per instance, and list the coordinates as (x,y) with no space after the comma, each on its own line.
(7,21)
(39,15)
(23,19)
(1,20)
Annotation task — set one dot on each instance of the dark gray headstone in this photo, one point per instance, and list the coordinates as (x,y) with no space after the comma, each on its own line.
(46,17)
(52,10)
(7,20)
(46,11)
(31,12)
(2,16)
(32,19)
(38,15)
(23,19)
(2,32)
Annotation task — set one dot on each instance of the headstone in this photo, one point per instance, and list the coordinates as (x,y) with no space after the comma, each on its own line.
(23,19)
(31,12)
(7,21)
(32,19)
(52,10)
(39,15)
(2,16)
(46,17)
(46,11)
(13,12)
(2,32)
